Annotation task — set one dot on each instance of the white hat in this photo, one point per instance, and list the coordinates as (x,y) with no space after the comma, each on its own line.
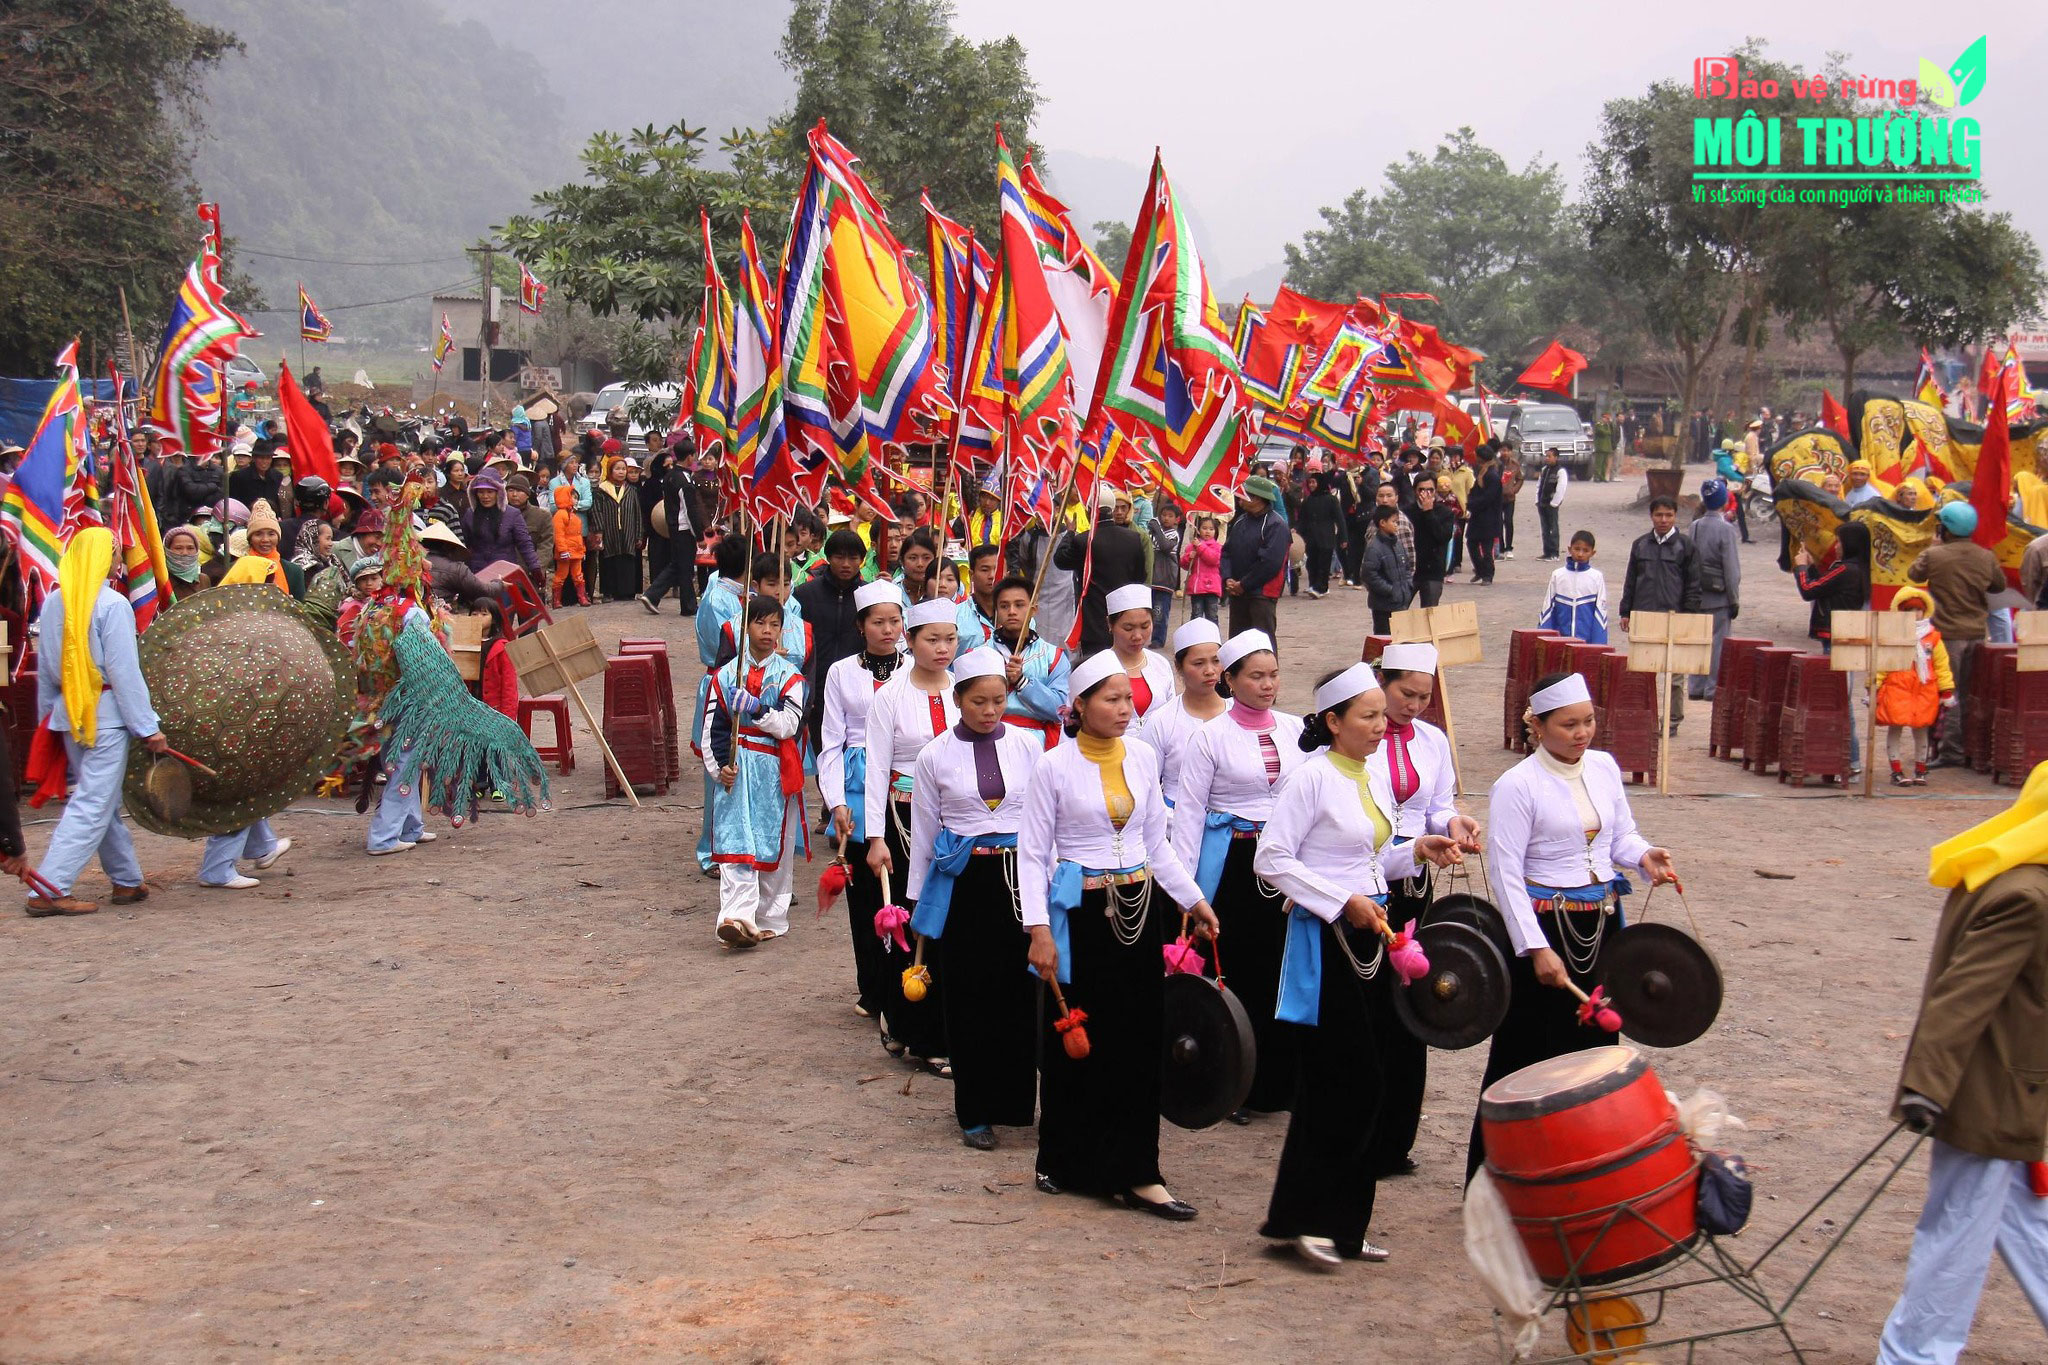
(1354,681)
(1195,632)
(441,532)
(1566,690)
(1411,658)
(1105,494)
(1093,670)
(986,662)
(837,518)
(1243,643)
(936,612)
(875,594)
(1130,597)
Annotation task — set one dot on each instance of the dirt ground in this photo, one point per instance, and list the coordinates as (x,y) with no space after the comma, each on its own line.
(504,1094)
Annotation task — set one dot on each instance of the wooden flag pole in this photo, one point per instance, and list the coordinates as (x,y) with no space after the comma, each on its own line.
(576,691)
(1664,714)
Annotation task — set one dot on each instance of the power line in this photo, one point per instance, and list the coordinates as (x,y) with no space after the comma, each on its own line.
(240,250)
(369,303)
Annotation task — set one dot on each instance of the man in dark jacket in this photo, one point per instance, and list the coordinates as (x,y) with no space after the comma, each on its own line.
(827,602)
(494,531)
(1389,573)
(1663,575)
(1484,510)
(1115,555)
(188,485)
(1255,559)
(258,478)
(678,502)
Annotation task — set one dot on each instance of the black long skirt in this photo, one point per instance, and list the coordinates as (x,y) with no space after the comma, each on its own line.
(920,1025)
(991,998)
(1098,1123)
(1404,1059)
(1253,922)
(1326,1185)
(863,898)
(1542,1022)
(619,576)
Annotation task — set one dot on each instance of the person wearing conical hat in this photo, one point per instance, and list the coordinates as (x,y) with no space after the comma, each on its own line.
(90,689)
(1972,1081)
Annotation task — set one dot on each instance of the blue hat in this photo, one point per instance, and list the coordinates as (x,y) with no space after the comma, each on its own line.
(1958,518)
(1714,494)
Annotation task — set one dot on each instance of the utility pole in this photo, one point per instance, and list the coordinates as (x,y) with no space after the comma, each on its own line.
(487,331)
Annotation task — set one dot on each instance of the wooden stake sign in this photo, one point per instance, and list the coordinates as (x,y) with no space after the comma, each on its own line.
(1453,628)
(1668,643)
(554,659)
(1872,643)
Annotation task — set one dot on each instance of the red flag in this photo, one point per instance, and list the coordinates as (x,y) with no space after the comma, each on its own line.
(1991,484)
(1305,321)
(305,432)
(1987,372)
(1835,417)
(1553,370)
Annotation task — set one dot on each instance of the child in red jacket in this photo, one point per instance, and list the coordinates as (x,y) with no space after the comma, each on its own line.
(500,678)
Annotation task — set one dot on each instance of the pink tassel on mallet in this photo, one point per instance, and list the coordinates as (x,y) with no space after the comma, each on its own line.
(889,922)
(1182,956)
(1410,962)
(1597,1012)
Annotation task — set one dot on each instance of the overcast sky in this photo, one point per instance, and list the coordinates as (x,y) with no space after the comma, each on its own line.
(1267,110)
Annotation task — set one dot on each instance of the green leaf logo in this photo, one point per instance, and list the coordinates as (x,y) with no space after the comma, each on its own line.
(1936,85)
(1969,72)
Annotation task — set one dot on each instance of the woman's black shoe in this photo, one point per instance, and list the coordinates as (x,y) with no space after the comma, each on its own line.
(1046,1184)
(1173,1210)
(1241,1117)
(980,1139)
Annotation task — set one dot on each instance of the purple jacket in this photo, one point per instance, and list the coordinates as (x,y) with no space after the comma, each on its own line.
(510,540)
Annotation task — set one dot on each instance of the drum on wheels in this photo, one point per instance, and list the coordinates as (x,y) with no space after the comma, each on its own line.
(1589,1159)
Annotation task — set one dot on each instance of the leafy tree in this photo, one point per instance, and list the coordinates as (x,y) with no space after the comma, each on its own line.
(96,191)
(1113,243)
(625,240)
(913,99)
(1495,245)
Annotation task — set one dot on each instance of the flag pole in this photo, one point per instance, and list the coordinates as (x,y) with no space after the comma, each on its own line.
(302,326)
(1051,538)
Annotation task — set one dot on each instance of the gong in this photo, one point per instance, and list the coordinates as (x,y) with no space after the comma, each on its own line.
(1463,996)
(1462,907)
(1664,982)
(1210,1054)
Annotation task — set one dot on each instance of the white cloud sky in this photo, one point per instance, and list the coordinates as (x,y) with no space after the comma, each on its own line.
(1266,111)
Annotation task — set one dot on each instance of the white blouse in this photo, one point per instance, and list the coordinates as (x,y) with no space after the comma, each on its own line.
(1066,818)
(1158,676)
(946,794)
(901,721)
(1317,846)
(1224,769)
(1538,836)
(849,693)
(1430,809)
(1168,730)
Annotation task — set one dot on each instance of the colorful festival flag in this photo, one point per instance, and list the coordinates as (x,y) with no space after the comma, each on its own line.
(443,343)
(532,293)
(1553,370)
(1927,388)
(760,439)
(711,376)
(33,511)
(186,394)
(313,324)
(1271,363)
(1169,379)
(1341,376)
(1081,286)
(961,274)
(1038,422)
(145,572)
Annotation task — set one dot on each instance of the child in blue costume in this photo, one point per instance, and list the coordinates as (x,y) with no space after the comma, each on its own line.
(752,721)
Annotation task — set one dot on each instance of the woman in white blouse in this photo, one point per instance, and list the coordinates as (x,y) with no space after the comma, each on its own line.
(1092,845)
(1130,632)
(967,802)
(1227,778)
(1562,830)
(1329,846)
(913,708)
(1167,729)
(1415,760)
(849,689)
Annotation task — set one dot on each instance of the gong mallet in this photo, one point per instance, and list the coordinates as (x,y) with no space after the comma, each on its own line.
(190,761)
(1073,1037)
(1594,1010)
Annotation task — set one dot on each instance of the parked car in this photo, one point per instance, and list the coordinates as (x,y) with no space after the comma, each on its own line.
(1536,427)
(612,395)
(241,370)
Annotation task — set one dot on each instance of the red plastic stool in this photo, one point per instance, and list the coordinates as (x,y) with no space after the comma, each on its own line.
(562,753)
(1625,722)
(1731,694)
(633,723)
(1765,715)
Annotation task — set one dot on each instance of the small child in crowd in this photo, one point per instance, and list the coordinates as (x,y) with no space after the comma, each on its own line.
(1909,701)
(1202,557)
(1577,605)
(568,547)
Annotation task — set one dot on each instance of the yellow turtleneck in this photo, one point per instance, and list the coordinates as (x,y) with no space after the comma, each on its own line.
(1108,755)
(1382,829)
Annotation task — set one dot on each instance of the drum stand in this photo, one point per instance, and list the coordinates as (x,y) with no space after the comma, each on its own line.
(1705,1264)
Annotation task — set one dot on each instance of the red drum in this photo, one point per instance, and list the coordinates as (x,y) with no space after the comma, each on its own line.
(1590,1161)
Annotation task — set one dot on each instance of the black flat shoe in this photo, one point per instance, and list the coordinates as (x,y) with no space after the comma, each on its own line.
(1173,1210)
(1046,1184)
(1241,1117)
(980,1139)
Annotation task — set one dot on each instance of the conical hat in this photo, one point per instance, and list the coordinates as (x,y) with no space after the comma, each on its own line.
(244,680)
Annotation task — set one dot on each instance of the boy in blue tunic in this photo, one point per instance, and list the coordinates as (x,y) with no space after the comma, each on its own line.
(752,720)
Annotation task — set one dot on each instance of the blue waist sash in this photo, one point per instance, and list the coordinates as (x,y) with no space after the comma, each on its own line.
(1301,967)
(950,853)
(854,763)
(1217,827)
(1587,897)
(1063,897)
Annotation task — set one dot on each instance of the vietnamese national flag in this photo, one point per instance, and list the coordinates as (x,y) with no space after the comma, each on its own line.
(1553,370)
(1987,373)
(1305,321)
(1991,484)
(306,434)
(1835,417)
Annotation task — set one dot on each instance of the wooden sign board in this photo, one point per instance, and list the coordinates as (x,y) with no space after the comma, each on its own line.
(1670,642)
(1874,641)
(555,657)
(2029,628)
(1452,627)
(466,645)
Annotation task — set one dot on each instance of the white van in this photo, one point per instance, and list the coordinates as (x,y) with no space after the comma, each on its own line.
(612,395)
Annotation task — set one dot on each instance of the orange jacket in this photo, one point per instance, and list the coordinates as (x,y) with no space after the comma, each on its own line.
(568,526)
(1902,699)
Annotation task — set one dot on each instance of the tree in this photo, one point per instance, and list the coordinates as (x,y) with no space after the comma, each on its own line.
(625,241)
(1113,243)
(96,101)
(1495,245)
(916,102)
